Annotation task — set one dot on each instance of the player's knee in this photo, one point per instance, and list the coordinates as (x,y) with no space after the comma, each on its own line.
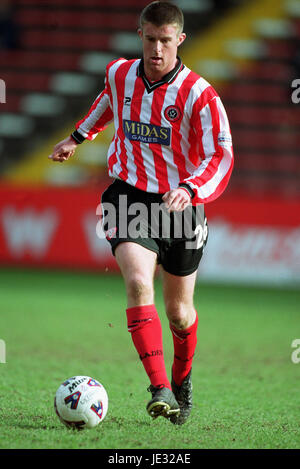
(179,314)
(139,290)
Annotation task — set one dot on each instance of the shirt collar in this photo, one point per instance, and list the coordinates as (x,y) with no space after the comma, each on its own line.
(168,78)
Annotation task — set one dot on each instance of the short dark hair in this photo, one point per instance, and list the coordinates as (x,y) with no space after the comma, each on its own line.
(161,13)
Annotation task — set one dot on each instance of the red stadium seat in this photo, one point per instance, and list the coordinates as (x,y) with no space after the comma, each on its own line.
(65,40)
(28,81)
(258,161)
(280,50)
(13,102)
(19,59)
(267,70)
(261,115)
(138,4)
(75,20)
(266,139)
(260,93)
(258,184)
(296,23)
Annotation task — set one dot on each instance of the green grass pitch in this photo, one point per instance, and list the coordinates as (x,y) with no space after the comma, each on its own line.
(59,324)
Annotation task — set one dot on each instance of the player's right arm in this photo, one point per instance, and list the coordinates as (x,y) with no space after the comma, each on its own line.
(98,117)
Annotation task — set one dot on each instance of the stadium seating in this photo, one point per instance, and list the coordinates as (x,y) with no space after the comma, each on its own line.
(22,59)
(77,20)
(264,120)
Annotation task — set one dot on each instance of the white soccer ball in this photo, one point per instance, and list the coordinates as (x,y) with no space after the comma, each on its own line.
(81,402)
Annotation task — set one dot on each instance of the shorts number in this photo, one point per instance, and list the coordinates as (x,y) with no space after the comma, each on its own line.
(201,233)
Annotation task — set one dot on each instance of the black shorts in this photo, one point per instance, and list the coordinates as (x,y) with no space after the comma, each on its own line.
(178,238)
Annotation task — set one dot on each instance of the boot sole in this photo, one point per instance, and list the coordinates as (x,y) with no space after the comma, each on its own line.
(161,408)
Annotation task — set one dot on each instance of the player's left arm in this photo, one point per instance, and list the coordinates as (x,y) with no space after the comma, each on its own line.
(211,177)
(178,199)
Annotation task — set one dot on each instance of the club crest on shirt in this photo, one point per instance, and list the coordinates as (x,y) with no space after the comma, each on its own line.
(172,113)
(146,133)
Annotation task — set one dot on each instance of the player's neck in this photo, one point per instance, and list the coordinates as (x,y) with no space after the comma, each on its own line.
(157,75)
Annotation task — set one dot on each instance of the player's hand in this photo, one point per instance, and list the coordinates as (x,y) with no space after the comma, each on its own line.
(177,200)
(63,150)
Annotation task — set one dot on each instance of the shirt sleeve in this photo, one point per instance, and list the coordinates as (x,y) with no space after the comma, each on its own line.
(210,123)
(99,115)
(97,119)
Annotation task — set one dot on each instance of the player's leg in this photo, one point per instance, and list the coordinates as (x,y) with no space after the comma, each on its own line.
(180,259)
(137,265)
(179,299)
(183,318)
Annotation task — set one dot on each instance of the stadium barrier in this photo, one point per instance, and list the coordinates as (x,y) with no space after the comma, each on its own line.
(250,241)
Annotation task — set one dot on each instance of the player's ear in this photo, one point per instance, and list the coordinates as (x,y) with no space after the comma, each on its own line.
(181,38)
(140,32)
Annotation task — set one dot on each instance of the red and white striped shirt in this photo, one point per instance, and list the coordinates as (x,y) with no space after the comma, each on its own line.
(167,133)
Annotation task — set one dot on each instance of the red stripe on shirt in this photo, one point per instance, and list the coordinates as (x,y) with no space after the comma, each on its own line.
(142,180)
(180,102)
(103,120)
(159,162)
(212,166)
(214,163)
(120,77)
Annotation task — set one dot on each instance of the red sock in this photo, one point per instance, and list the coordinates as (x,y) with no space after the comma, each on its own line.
(185,342)
(145,328)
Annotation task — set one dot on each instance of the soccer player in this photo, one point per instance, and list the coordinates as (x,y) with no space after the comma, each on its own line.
(172,148)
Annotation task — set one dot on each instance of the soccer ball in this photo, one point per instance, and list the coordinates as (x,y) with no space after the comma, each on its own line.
(81,402)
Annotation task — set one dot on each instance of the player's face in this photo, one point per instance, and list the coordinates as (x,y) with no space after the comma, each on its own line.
(160,45)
